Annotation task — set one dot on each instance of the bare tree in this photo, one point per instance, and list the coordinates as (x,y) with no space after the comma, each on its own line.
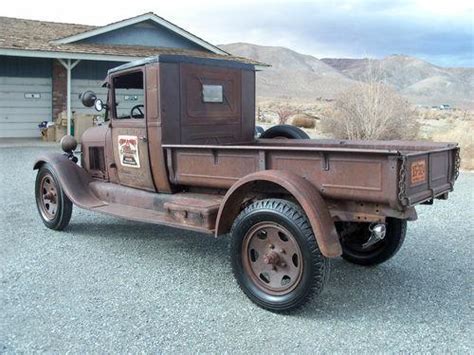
(284,112)
(372,110)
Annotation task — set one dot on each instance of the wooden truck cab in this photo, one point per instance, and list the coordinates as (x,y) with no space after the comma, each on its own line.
(185,101)
(179,149)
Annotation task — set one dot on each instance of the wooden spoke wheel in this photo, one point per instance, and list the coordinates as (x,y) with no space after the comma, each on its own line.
(48,199)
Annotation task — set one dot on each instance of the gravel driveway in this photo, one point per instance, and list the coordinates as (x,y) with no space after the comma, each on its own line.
(109,285)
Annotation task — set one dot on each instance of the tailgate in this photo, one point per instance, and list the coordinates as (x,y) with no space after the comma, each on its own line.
(427,175)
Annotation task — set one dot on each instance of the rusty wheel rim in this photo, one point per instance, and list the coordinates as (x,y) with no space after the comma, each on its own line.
(272,258)
(48,197)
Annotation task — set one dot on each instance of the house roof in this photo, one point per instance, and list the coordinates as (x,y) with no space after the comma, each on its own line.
(150,16)
(31,38)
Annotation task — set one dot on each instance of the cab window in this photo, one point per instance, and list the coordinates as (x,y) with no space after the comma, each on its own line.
(129,96)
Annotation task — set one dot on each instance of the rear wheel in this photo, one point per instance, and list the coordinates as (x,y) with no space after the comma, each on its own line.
(354,238)
(285,131)
(53,205)
(275,258)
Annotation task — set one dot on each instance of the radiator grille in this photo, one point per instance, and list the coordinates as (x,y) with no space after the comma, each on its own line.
(96,159)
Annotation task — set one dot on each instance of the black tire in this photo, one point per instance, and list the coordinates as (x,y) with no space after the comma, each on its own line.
(285,131)
(380,251)
(59,217)
(314,266)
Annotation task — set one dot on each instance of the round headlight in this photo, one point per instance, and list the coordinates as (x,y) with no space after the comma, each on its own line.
(98,105)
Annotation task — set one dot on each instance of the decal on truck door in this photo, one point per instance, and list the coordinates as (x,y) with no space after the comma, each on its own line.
(128,151)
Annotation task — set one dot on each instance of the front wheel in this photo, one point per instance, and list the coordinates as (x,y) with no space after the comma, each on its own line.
(53,205)
(354,238)
(275,258)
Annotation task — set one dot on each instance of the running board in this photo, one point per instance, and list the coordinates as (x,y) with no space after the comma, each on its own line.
(193,211)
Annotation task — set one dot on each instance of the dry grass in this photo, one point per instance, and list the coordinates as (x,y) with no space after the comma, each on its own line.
(460,132)
(431,114)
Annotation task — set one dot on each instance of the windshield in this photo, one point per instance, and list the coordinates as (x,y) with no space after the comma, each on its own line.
(129,96)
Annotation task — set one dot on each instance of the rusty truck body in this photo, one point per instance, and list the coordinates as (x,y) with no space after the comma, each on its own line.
(178,148)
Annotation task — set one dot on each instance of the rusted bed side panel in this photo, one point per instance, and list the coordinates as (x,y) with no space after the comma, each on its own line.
(211,167)
(337,175)
(358,177)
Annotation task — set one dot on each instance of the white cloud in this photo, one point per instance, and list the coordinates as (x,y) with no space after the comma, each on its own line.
(432,29)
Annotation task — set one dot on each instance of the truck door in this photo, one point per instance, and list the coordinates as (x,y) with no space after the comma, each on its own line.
(129,129)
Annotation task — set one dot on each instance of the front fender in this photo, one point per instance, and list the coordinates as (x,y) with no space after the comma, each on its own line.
(301,189)
(73,179)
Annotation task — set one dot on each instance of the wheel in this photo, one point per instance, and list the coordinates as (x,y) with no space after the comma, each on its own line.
(54,206)
(355,235)
(275,258)
(285,131)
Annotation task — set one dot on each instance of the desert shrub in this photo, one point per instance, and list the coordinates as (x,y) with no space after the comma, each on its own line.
(460,133)
(371,111)
(304,121)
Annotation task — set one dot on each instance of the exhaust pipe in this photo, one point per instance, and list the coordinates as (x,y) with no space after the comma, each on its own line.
(377,233)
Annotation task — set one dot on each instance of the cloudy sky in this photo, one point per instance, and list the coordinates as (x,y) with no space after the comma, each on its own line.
(438,31)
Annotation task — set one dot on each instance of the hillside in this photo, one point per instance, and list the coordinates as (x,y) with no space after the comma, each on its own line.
(418,80)
(292,75)
(296,75)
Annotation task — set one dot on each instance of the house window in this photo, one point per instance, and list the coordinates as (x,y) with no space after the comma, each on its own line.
(212,93)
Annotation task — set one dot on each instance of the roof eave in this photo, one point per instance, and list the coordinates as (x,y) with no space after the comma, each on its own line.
(66,55)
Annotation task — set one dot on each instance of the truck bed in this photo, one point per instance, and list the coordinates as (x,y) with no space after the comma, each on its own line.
(400,174)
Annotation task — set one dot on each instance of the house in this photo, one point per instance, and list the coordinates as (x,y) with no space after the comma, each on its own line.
(45,65)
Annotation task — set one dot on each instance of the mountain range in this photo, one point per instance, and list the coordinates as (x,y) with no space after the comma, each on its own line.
(293,75)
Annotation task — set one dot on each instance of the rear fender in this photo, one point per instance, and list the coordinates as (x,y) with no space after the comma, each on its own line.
(301,189)
(73,179)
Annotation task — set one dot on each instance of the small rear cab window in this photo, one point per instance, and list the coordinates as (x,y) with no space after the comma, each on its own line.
(212,93)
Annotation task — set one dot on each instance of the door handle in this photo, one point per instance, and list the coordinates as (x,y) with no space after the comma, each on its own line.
(143,139)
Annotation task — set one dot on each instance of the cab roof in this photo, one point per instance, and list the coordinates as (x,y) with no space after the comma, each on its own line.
(233,62)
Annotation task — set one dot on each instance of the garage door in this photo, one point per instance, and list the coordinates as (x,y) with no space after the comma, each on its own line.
(24,103)
(78,86)
(89,75)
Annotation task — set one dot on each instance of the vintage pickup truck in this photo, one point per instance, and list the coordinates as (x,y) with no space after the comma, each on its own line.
(179,149)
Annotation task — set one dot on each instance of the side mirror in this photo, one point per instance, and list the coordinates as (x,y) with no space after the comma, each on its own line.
(99,105)
(88,98)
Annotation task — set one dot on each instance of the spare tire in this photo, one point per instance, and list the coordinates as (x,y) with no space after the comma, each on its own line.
(285,131)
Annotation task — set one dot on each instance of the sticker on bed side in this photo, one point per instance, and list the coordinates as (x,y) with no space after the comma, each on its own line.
(128,151)
(418,172)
